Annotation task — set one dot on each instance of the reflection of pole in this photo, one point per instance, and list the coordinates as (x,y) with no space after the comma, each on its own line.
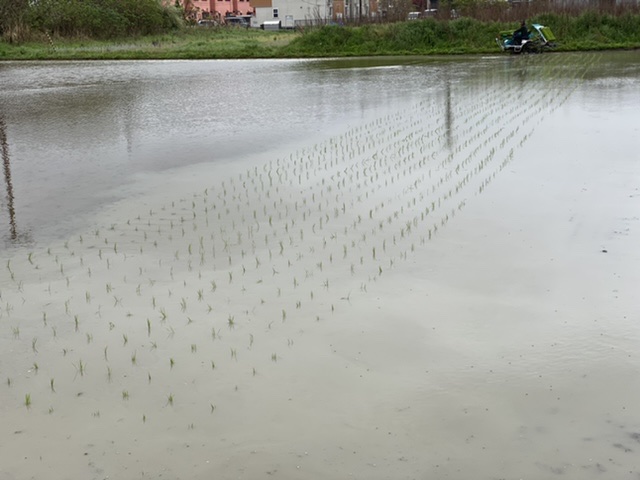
(4,147)
(448,113)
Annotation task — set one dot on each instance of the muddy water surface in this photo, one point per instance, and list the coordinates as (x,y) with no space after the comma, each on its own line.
(418,268)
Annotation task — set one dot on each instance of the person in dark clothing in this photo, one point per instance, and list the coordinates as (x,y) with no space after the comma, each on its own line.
(520,34)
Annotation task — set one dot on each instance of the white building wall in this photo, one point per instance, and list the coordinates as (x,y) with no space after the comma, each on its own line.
(307,11)
(262,14)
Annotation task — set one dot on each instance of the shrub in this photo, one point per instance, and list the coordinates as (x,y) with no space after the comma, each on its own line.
(102,18)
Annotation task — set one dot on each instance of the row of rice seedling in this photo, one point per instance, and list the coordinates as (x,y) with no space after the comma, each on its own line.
(182,304)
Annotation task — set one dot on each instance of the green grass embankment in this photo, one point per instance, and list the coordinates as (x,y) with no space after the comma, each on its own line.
(588,31)
(192,43)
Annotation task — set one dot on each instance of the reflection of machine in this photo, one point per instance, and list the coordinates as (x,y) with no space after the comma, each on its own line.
(540,39)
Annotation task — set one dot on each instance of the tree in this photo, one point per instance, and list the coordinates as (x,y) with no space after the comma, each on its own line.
(13,26)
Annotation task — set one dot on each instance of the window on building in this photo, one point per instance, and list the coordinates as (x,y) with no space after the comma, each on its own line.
(275,13)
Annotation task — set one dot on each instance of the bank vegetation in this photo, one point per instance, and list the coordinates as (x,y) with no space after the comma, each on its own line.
(149,29)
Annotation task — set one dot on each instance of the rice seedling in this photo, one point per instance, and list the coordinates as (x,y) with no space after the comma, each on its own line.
(170,399)
(51,385)
(27,400)
(125,395)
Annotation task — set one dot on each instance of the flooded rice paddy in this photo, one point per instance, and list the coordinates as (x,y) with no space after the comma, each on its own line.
(399,268)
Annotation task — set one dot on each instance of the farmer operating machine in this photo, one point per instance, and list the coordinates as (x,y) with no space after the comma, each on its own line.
(537,40)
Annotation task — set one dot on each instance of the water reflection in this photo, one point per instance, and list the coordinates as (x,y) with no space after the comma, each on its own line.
(84,132)
(6,168)
(81,133)
(448,113)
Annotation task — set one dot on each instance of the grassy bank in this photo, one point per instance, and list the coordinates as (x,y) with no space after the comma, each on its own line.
(193,43)
(588,31)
